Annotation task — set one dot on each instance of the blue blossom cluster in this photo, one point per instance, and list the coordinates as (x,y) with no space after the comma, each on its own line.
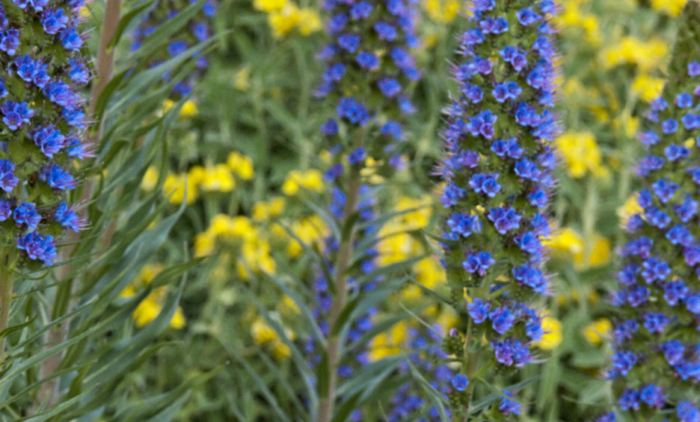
(42,134)
(198,30)
(498,178)
(656,361)
(368,69)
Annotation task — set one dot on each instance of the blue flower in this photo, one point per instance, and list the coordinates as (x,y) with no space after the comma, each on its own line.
(478,310)
(38,247)
(460,382)
(8,180)
(478,263)
(26,214)
(687,412)
(508,406)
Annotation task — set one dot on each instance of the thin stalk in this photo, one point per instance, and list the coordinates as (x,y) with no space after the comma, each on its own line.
(5,299)
(48,392)
(345,250)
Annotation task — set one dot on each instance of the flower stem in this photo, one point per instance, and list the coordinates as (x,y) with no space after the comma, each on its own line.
(326,405)
(5,299)
(48,392)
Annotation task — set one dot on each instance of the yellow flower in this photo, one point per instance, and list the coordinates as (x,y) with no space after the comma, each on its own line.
(262,333)
(565,241)
(188,109)
(151,306)
(176,186)
(268,6)
(390,343)
(309,231)
(429,272)
(288,306)
(241,79)
(204,244)
(266,210)
(552,336)
(280,350)
(647,55)
(150,178)
(597,331)
(309,21)
(297,180)
(241,165)
(284,21)
(570,244)
(442,11)
(217,179)
(598,255)
(647,88)
(670,7)
(580,153)
(630,208)
(572,17)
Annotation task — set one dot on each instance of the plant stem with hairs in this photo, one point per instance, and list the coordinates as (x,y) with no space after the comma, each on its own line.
(5,298)
(48,392)
(342,264)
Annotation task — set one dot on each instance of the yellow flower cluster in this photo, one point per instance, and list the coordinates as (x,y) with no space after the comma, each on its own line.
(552,333)
(646,55)
(188,110)
(254,248)
(297,180)
(646,87)
(152,305)
(397,244)
(389,342)
(597,331)
(581,154)
(306,232)
(670,7)
(284,17)
(442,11)
(266,336)
(572,17)
(568,243)
(186,187)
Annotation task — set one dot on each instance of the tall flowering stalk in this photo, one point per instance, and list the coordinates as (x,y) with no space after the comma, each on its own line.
(368,67)
(498,181)
(656,364)
(42,136)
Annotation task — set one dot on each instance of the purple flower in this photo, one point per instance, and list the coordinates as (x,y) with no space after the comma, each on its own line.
(26,214)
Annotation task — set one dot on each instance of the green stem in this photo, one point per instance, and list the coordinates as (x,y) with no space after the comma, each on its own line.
(342,263)
(5,299)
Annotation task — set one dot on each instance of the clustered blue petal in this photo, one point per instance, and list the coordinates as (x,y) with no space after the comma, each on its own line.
(42,134)
(368,69)
(656,362)
(498,175)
